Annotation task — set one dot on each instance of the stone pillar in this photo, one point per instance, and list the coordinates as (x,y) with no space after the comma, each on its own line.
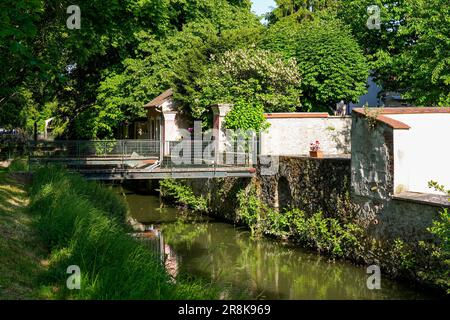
(170,131)
(220,111)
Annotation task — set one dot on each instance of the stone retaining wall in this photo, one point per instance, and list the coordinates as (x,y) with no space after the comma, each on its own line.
(323,185)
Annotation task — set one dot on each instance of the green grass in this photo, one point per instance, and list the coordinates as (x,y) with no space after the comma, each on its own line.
(18,165)
(21,251)
(82,223)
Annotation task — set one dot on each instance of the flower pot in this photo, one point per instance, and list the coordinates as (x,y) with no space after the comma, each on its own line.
(316,154)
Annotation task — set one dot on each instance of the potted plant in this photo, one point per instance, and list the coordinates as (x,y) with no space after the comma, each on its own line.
(314,150)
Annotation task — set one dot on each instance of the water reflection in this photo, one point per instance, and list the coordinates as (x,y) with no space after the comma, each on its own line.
(260,269)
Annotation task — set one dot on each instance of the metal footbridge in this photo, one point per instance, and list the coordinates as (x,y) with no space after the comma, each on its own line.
(145,159)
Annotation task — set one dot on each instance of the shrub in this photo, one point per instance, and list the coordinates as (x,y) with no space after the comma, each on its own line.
(182,194)
(327,235)
(249,209)
(246,116)
(329,59)
(324,234)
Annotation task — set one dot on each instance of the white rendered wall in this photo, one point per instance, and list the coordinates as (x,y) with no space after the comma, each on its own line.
(175,125)
(292,136)
(421,153)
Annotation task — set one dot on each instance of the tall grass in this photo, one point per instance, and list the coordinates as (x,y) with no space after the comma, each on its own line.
(18,165)
(83,224)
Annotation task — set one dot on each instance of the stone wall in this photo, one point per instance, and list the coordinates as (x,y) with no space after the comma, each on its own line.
(309,184)
(357,189)
(372,187)
(325,185)
(221,194)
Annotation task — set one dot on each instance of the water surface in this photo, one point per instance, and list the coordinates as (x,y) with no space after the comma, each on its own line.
(255,268)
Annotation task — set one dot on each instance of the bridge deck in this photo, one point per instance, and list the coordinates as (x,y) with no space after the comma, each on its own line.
(165,173)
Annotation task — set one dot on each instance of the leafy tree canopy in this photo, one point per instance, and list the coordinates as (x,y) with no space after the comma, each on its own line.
(208,27)
(128,51)
(411,51)
(300,9)
(252,75)
(332,65)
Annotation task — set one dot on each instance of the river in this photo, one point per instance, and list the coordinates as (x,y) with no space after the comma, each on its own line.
(250,268)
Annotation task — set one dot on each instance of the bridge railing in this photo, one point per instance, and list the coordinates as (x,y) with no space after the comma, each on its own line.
(95,149)
(199,153)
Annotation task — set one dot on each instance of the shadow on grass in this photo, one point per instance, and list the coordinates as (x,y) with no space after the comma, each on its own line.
(20,249)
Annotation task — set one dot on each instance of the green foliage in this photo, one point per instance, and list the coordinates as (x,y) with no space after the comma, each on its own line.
(438,187)
(104,147)
(18,165)
(402,255)
(182,194)
(440,252)
(324,234)
(327,235)
(330,61)
(438,271)
(199,29)
(253,75)
(18,30)
(429,260)
(246,116)
(410,53)
(14,145)
(300,9)
(82,225)
(112,77)
(249,210)
(49,182)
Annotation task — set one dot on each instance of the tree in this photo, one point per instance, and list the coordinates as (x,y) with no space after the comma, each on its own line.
(300,9)
(36,47)
(18,28)
(252,75)
(422,68)
(156,60)
(329,59)
(410,53)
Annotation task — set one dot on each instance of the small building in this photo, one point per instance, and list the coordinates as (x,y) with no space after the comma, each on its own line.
(165,119)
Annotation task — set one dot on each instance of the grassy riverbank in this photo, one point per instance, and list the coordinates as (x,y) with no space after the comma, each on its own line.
(71,222)
(21,250)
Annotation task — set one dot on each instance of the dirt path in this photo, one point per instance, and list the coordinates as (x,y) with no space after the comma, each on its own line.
(21,253)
